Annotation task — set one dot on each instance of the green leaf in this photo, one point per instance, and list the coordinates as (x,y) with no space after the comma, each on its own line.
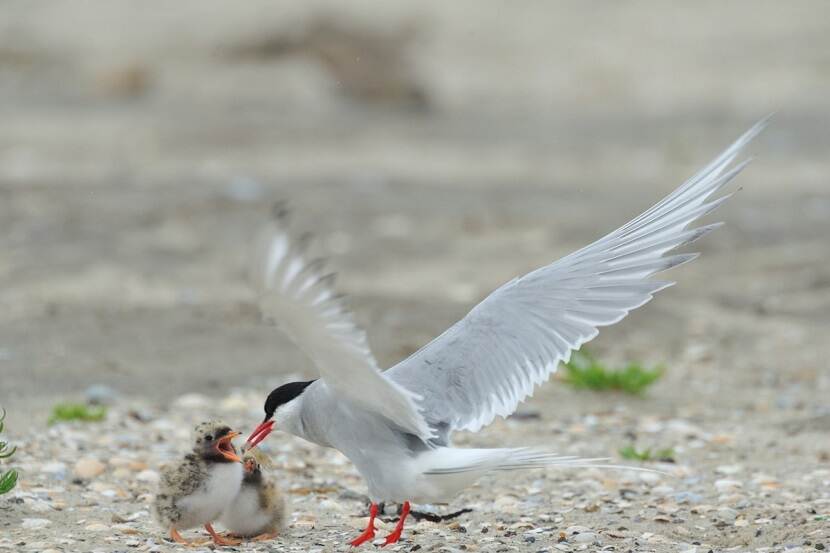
(583,371)
(631,453)
(8,481)
(65,412)
(6,454)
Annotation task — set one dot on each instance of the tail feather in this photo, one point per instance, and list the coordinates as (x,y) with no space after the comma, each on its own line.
(509,459)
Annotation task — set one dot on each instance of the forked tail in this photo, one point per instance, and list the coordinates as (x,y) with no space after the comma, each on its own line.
(445,461)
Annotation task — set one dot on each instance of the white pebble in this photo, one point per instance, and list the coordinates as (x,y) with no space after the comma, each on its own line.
(149,476)
(192,401)
(729,469)
(725,485)
(35,523)
(54,468)
(586,537)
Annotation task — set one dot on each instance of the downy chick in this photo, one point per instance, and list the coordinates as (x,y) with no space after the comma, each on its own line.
(259,509)
(195,490)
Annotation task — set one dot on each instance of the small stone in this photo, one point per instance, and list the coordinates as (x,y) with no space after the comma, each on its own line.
(244,189)
(192,401)
(39,506)
(688,497)
(585,537)
(56,469)
(100,394)
(726,485)
(306,522)
(88,467)
(729,469)
(35,523)
(662,490)
(235,402)
(96,527)
(727,515)
(649,477)
(506,503)
(137,466)
(149,476)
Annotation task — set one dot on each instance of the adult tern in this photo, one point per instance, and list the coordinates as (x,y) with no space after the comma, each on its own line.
(395,425)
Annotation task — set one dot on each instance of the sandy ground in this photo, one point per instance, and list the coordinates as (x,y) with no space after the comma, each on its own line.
(141,149)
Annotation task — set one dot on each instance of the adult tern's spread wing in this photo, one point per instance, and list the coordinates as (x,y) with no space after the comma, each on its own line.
(492,359)
(297,297)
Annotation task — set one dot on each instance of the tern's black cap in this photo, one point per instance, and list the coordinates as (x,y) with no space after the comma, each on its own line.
(282,395)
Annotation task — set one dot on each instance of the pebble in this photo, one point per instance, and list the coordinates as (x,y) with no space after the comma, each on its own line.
(688,497)
(54,468)
(585,537)
(192,401)
(88,467)
(96,527)
(662,490)
(729,470)
(726,485)
(35,523)
(726,514)
(148,475)
(100,394)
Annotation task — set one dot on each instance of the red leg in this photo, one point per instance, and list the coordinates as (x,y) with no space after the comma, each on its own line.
(396,533)
(369,533)
(219,540)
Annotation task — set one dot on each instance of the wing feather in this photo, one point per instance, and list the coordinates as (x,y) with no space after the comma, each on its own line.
(492,359)
(297,295)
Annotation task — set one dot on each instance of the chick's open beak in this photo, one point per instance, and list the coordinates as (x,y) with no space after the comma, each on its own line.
(260,433)
(225,448)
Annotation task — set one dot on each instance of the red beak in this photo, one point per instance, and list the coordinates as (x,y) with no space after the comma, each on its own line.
(260,433)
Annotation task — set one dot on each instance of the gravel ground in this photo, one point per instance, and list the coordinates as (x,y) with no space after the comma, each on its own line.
(141,149)
(87,487)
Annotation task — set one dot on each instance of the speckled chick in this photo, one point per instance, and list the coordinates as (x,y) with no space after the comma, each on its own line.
(194,491)
(258,511)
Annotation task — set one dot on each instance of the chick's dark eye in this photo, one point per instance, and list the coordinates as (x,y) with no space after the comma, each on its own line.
(209,438)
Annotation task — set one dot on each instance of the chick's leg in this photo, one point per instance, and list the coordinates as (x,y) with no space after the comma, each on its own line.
(219,540)
(176,537)
(265,537)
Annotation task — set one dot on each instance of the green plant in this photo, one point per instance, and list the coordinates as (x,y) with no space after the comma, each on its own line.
(8,479)
(584,371)
(65,412)
(633,454)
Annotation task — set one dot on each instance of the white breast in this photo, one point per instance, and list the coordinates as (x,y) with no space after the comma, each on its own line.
(206,504)
(244,516)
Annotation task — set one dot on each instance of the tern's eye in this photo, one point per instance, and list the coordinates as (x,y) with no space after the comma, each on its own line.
(209,438)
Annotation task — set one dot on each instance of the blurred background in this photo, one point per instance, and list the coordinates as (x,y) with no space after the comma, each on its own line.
(436,150)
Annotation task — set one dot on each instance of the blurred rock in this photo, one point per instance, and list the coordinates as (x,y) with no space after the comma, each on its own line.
(125,81)
(365,64)
(100,394)
(88,467)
